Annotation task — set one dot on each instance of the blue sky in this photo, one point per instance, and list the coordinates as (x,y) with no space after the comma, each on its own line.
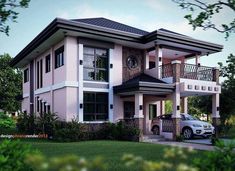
(144,14)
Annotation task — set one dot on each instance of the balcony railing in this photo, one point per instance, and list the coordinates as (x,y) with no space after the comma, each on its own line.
(188,71)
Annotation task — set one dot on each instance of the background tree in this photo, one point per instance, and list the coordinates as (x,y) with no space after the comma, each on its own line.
(10,85)
(8,12)
(227,101)
(206,11)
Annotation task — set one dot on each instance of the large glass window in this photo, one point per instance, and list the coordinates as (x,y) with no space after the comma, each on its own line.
(95,106)
(26,75)
(59,57)
(95,64)
(48,63)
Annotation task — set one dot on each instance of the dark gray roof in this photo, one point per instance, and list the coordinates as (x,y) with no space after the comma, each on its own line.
(143,78)
(103,22)
(144,83)
(169,31)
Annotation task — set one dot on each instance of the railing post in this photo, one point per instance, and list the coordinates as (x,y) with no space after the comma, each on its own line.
(215,72)
(176,70)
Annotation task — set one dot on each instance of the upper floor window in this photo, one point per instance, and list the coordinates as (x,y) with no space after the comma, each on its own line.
(59,57)
(48,64)
(26,75)
(95,64)
(39,74)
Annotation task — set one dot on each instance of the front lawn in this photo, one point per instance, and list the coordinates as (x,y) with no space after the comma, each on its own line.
(111,151)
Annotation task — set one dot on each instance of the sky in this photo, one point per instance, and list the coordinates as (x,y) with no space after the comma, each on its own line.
(148,15)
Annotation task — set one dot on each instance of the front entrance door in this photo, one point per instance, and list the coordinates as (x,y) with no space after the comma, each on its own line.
(129,109)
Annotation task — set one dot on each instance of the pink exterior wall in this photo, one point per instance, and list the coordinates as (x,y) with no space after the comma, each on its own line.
(71,60)
(59,73)
(60,103)
(25,104)
(71,103)
(25,85)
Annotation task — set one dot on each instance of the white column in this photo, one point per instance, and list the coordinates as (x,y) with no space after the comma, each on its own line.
(215,106)
(138,105)
(111,76)
(176,102)
(146,60)
(185,104)
(80,83)
(158,60)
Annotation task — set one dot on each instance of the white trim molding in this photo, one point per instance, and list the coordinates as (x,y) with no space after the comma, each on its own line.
(25,95)
(57,86)
(95,89)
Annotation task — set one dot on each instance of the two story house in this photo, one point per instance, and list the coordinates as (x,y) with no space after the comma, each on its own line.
(96,70)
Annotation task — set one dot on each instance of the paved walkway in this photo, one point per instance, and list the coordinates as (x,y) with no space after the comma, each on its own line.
(186,145)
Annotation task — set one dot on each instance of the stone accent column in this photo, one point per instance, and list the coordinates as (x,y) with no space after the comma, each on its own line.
(139,117)
(158,60)
(162,107)
(215,113)
(176,99)
(197,60)
(215,72)
(176,70)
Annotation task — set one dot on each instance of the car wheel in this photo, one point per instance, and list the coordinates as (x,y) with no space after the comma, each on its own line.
(187,133)
(156,130)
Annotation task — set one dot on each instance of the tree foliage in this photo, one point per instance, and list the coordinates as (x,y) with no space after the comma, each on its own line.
(10,85)
(8,12)
(206,11)
(228,88)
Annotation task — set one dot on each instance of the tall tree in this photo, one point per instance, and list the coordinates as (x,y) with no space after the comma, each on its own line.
(8,12)
(10,85)
(228,88)
(206,11)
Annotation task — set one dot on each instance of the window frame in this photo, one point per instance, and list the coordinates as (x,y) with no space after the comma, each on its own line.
(59,57)
(48,63)
(26,75)
(95,68)
(95,103)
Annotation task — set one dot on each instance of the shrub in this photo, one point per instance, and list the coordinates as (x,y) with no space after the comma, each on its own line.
(223,158)
(13,154)
(68,131)
(6,121)
(64,163)
(26,123)
(46,123)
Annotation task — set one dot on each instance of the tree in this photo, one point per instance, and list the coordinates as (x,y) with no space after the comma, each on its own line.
(8,12)
(228,88)
(10,85)
(207,11)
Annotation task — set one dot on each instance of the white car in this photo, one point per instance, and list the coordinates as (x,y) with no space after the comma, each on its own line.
(189,126)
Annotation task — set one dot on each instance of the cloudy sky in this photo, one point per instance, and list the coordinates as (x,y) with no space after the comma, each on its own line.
(148,15)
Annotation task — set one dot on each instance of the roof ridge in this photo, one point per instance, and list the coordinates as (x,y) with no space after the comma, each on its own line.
(100,21)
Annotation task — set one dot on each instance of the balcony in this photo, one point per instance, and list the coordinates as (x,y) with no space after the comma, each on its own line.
(189,71)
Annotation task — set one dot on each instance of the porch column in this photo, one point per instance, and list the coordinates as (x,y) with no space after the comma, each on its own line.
(80,82)
(176,99)
(215,113)
(184,105)
(158,60)
(162,107)
(139,117)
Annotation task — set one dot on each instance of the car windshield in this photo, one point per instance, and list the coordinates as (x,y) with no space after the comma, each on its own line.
(189,117)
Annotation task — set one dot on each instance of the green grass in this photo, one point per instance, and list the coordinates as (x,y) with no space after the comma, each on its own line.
(111,151)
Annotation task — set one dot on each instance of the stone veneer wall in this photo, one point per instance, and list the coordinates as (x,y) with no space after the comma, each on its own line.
(130,73)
